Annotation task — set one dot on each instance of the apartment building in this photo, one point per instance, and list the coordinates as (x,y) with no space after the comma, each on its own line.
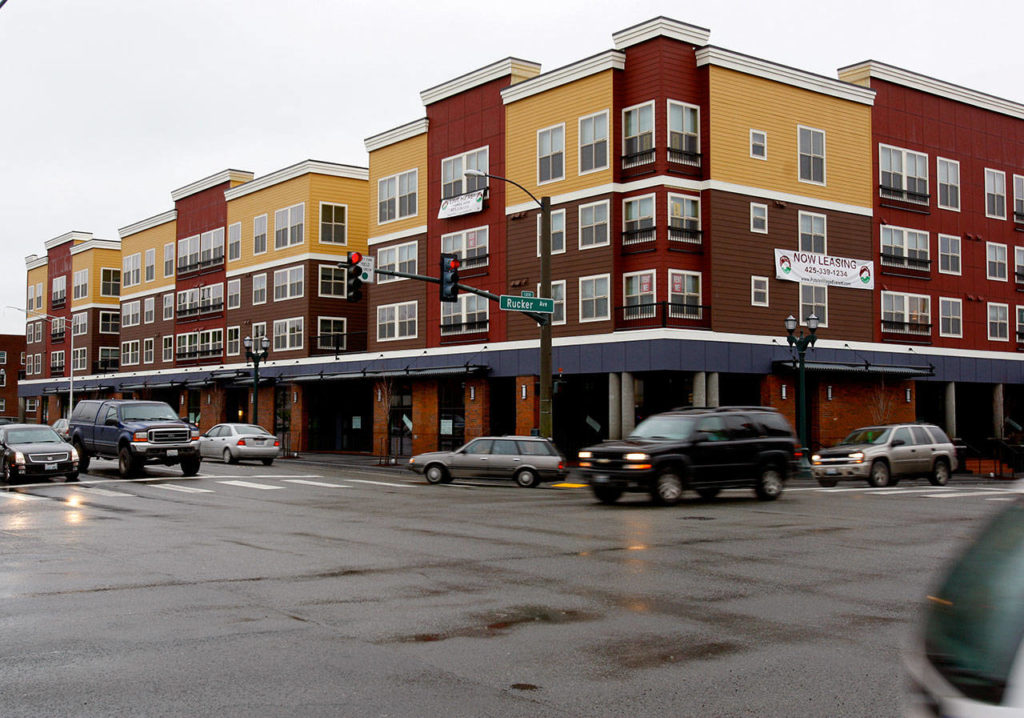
(12,363)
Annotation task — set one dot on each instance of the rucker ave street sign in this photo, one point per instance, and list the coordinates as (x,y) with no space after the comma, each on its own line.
(512,303)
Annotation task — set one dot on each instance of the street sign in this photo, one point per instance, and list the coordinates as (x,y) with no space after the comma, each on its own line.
(366,264)
(525,293)
(512,303)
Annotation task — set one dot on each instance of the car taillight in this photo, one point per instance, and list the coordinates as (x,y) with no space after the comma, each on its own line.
(797,454)
(561,465)
(277,443)
(241,442)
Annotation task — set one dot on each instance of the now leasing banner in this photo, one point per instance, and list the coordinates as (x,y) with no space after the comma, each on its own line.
(823,269)
(463,204)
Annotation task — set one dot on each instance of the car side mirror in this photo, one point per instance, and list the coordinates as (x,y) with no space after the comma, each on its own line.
(898,442)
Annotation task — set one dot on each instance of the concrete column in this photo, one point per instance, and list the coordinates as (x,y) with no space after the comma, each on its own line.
(628,404)
(614,406)
(951,409)
(700,389)
(713,388)
(997,411)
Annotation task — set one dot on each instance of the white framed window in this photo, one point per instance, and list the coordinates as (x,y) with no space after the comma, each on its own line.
(211,298)
(211,343)
(59,289)
(998,322)
(259,289)
(130,314)
(333,223)
(80,324)
(288,334)
(39,363)
(57,361)
(332,281)
(995,261)
(234,341)
(289,226)
(558,297)
(949,183)
(1020,324)
(396,258)
(396,196)
(551,154)
(949,254)
(907,248)
(813,237)
(130,352)
(758,291)
(167,349)
(79,359)
(758,144)
(814,300)
(169,260)
(31,300)
(132,270)
(684,294)
(149,310)
(289,283)
(1018,199)
(3,357)
(234,293)
(684,219)
(995,194)
(471,246)
(638,135)
(455,181)
(188,253)
(80,284)
(110,282)
(683,133)
(593,142)
(150,265)
(168,302)
(259,234)
(331,333)
(638,294)
(188,346)
(595,299)
(593,222)
(148,350)
(638,220)
(396,321)
(39,332)
(211,247)
(259,329)
(906,313)
(557,232)
(902,174)
(31,405)
(188,303)
(811,154)
(468,315)
(110,322)
(758,218)
(1018,266)
(234,241)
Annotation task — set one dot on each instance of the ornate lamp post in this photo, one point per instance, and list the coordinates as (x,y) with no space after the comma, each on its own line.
(801,343)
(256,357)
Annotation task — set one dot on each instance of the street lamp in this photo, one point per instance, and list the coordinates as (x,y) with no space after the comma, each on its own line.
(545,291)
(256,357)
(31,315)
(801,343)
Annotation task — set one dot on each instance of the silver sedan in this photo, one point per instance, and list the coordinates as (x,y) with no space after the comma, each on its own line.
(232,442)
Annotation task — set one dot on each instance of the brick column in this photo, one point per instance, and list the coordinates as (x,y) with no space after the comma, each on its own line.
(528,407)
(424,416)
(299,418)
(380,420)
(477,401)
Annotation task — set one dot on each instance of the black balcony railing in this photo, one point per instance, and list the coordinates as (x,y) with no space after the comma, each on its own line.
(474,326)
(58,300)
(894,326)
(476,260)
(57,337)
(56,370)
(188,311)
(104,366)
(679,233)
(211,307)
(1018,217)
(918,264)
(186,354)
(684,157)
(639,235)
(339,343)
(903,195)
(649,315)
(192,264)
(1020,336)
(636,159)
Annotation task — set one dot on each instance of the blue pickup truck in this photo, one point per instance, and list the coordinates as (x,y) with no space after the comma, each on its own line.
(135,433)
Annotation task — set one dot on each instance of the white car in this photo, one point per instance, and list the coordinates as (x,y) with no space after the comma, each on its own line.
(232,442)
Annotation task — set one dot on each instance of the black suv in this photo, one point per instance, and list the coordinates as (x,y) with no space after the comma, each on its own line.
(705,449)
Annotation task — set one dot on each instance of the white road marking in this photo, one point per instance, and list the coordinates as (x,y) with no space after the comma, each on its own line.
(317,483)
(888,492)
(18,496)
(960,494)
(259,476)
(250,485)
(93,491)
(184,489)
(379,483)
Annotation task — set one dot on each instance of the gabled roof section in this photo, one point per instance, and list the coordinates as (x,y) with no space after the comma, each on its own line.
(113,244)
(211,181)
(898,76)
(308,167)
(661,27)
(34,262)
(149,223)
(518,69)
(397,134)
(746,64)
(610,60)
(74,236)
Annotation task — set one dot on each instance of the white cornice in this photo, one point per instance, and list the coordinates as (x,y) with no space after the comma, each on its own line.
(610,60)
(34,262)
(113,244)
(502,68)
(661,27)
(143,225)
(403,234)
(68,237)
(403,132)
(211,181)
(746,64)
(308,167)
(150,291)
(284,262)
(923,83)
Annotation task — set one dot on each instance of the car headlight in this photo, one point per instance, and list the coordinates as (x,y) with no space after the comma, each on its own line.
(195,434)
(74,454)
(140,436)
(857,456)
(412,460)
(638,456)
(586,454)
(816,458)
(19,458)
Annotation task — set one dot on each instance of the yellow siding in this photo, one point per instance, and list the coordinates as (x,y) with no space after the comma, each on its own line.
(39,275)
(739,103)
(410,154)
(94,260)
(154,238)
(565,104)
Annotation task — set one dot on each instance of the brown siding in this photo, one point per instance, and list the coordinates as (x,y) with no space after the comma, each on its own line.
(407,290)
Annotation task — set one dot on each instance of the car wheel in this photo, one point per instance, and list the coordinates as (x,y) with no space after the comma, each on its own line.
(668,488)
(879,475)
(436,474)
(607,494)
(126,465)
(528,479)
(73,476)
(83,458)
(940,474)
(708,492)
(769,483)
(190,467)
(267,462)
(228,458)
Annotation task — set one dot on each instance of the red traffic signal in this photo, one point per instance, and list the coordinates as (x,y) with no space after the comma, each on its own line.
(355,257)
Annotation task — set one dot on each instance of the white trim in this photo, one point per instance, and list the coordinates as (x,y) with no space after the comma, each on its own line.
(607,142)
(986,193)
(211,181)
(608,224)
(252,290)
(142,225)
(764,135)
(287,334)
(799,229)
(661,27)
(398,204)
(73,236)
(988,321)
(538,158)
(320,224)
(824,156)
(398,338)
(146,293)
(308,167)
(288,282)
(960,303)
(653,272)
(291,259)
(34,262)
(654,127)
(767,291)
(383,279)
(564,301)
(959,254)
(800,303)
(564,233)
(754,229)
(1006,261)
(579,298)
(608,60)
(402,234)
(320,278)
(938,185)
(397,134)
(111,244)
(494,71)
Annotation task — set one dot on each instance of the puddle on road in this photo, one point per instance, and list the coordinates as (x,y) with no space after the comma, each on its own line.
(652,652)
(498,623)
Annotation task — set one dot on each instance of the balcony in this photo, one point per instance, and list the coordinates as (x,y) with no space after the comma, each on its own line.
(639,237)
(655,315)
(906,196)
(105,366)
(57,337)
(58,300)
(339,343)
(907,329)
(915,266)
(1018,218)
(203,263)
(455,332)
(191,311)
(684,157)
(57,370)
(685,238)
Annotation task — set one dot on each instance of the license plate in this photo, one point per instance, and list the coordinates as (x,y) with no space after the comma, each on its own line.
(832,472)
(49,467)
(172,452)
(601,478)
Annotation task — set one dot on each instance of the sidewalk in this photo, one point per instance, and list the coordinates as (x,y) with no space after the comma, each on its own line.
(352,461)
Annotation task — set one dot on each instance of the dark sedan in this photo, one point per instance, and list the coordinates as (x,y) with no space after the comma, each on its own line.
(33,451)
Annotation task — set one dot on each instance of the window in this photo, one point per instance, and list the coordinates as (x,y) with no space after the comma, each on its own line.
(1020,323)
(995,194)
(1018,265)
(396,196)
(331,333)
(638,293)
(57,361)
(130,314)
(396,321)
(950,317)
(759,144)
(759,218)
(289,283)
(188,303)
(638,220)
(998,322)
(594,142)
(811,155)
(683,134)
(638,135)
(812,233)
(259,288)
(211,247)
(80,324)
(169,259)
(949,254)
(684,299)
(288,334)
(466,316)
(168,306)
(259,234)
(110,322)
(557,232)
(684,219)
(132,265)
(39,295)
(995,261)
(259,329)
(758,291)
(593,225)
(906,313)
(30,304)
(188,346)
(211,343)
(288,226)
(130,352)
(80,284)
(79,359)
(333,223)
(551,154)
(59,289)
(949,184)
(149,310)
(471,246)
(234,293)
(150,265)
(3,357)
(903,174)
(814,300)
(234,341)
(399,257)
(167,349)
(558,295)
(455,181)
(905,248)
(594,298)
(110,282)
(211,298)
(31,405)
(1018,199)
(188,254)
(148,350)
(235,241)
(332,281)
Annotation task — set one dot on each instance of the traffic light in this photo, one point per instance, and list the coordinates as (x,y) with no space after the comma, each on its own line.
(449,277)
(353,277)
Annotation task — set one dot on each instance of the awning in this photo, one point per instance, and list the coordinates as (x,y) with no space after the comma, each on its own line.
(409,372)
(154,385)
(903,371)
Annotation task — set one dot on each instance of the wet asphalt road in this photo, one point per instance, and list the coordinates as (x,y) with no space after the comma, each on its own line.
(303,590)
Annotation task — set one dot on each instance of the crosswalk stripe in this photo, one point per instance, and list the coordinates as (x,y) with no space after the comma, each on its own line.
(18,496)
(317,483)
(93,491)
(250,485)
(378,483)
(960,494)
(184,489)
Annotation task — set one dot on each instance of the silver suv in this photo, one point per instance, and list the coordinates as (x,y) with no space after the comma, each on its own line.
(885,454)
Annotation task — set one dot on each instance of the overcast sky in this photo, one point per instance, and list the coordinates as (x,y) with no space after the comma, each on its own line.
(106,106)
